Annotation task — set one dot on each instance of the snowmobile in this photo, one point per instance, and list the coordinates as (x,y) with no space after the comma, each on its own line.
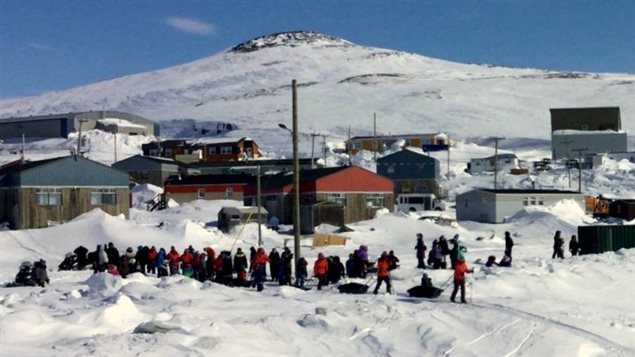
(69,263)
(24,276)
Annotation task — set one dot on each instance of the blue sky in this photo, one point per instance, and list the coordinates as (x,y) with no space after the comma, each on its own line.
(52,45)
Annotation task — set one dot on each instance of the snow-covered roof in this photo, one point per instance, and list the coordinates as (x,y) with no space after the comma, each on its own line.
(502,156)
(217,140)
(587,132)
(121,123)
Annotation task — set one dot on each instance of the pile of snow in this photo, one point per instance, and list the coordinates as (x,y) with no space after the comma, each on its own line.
(103,284)
(143,193)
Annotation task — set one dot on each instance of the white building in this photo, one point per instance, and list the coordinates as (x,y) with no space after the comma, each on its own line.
(487,164)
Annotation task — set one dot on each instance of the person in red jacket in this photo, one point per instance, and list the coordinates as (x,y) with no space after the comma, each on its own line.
(187,261)
(383,272)
(459,279)
(173,258)
(259,271)
(152,256)
(320,270)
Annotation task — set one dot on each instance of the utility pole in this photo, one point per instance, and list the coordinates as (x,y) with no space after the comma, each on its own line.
(258,202)
(296,176)
(22,150)
(313,135)
(350,148)
(375,146)
(79,136)
(579,151)
(496,140)
(566,142)
(324,148)
(448,139)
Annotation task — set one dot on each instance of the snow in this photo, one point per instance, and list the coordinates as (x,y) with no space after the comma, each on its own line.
(540,307)
(122,123)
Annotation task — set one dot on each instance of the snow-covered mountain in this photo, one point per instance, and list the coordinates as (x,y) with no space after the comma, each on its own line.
(342,84)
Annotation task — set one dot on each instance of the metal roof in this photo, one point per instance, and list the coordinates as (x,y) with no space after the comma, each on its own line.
(211,179)
(521,191)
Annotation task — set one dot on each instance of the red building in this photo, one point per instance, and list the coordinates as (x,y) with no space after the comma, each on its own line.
(204,149)
(336,195)
(207,187)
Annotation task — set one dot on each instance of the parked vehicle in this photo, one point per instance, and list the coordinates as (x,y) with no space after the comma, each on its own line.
(415,202)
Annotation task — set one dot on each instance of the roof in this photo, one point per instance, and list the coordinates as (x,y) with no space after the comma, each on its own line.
(500,156)
(521,191)
(286,178)
(216,140)
(396,136)
(211,179)
(251,162)
(162,160)
(92,114)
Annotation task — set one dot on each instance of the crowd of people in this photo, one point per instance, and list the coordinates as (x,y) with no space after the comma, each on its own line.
(241,270)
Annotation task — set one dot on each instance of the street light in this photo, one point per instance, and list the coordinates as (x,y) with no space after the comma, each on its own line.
(296,174)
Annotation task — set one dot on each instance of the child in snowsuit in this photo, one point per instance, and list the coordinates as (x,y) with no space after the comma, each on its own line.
(459,279)
(421,251)
(383,272)
(320,270)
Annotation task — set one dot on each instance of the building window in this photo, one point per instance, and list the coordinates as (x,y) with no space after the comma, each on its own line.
(200,193)
(541,201)
(103,196)
(467,204)
(48,196)
(229,192)
(212,150)
(375,200)
(390,169)
(168,152)
(307,198)
(154,152)
(525,201)
(338,198)
(533,201)
(225,150)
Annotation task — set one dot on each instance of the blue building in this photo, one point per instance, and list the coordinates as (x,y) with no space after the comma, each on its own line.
(412,171)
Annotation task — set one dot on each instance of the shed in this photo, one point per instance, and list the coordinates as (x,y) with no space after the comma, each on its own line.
(229,217)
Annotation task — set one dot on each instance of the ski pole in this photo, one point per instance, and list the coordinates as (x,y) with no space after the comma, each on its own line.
(471,288)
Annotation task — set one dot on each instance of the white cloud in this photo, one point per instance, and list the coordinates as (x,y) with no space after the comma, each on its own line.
(189,25)
(39,46)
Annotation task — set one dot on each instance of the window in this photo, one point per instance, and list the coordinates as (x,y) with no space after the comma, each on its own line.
(224,150)
(541,201)
(390,169)
(168,153)
(533,201)
(48,196)
(154,152)
(200,193)
(375,200)
(103,196)
(525,201)
(229,192)
(467,203)
(212,150)
(307,198)
(338,198)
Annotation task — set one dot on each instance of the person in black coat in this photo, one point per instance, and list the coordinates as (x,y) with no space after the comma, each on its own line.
(82,259)
(286,262)
(509,243)
(445,250)
(421,251)
(350,266)
(113,254)
(241,265)
(394,261)
(301,272)
(39,274)
(336,270)
(558,246)
(574,246)
(454,252)
(274,262)
(252,256)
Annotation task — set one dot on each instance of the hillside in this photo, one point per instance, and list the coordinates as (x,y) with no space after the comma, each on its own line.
(342,84)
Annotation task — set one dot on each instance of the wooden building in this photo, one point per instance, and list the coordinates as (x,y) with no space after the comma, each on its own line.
(427,142)
(229,217)
(204,149)
(42,193)
(334,195)
(207,187)
(412,171)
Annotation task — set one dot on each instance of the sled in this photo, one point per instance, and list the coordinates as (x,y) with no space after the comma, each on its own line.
(425,292)
(308,284)
(353,288)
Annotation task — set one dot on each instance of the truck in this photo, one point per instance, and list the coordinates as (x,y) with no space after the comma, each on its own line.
(415,202)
